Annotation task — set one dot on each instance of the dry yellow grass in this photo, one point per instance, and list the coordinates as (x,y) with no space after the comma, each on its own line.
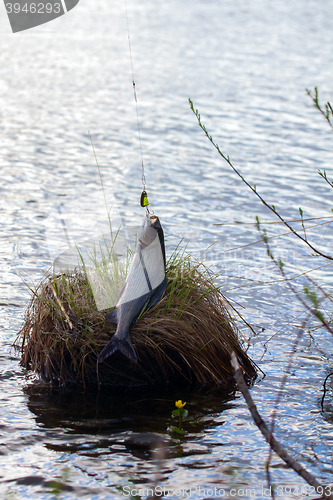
(187,337)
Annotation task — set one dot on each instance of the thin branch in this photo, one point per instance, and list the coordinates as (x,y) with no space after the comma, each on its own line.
(273,443)
(253,189)
(272,237)
(282,385)
(280,266)
(328,108)
(324,176)
(274,222)
(322,399)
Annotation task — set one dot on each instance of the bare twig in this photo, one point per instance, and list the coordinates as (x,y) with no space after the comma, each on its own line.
(282,385)
(322,399)
(280,266)
(273,443)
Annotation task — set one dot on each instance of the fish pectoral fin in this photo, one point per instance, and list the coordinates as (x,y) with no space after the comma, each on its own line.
(115,344)
(112,317)
(158,294)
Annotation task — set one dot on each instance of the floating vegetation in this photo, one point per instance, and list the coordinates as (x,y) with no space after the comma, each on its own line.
(186,338)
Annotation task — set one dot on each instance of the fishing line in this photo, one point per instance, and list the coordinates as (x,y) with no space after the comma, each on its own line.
(100,177)
(144,198)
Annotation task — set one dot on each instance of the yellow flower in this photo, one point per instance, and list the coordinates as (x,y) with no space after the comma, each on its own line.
(179,404)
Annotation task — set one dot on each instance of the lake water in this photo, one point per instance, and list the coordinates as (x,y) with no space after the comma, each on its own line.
(245,65)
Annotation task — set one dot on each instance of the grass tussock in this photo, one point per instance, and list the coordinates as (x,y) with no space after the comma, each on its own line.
(187,337)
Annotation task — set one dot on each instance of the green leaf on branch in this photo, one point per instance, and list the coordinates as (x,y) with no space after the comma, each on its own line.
(312,296)
(320,316)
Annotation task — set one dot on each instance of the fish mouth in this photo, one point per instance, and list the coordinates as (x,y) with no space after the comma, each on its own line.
(155,222)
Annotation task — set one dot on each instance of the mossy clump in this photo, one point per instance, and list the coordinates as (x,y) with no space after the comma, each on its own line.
(187,337)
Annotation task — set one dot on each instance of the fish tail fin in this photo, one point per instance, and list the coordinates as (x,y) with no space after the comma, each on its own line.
(115,344)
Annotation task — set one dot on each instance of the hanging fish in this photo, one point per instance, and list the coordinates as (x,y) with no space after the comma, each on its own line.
(144,286)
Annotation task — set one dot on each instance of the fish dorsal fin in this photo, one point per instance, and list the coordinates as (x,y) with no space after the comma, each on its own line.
(112,317)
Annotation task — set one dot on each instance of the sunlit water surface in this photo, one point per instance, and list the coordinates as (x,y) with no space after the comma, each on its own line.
(245,65)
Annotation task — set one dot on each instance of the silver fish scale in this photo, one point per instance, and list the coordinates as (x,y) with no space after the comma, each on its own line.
(146,271)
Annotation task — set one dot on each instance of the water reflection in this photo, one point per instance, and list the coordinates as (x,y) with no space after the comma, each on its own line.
(127,432)
(101,412)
